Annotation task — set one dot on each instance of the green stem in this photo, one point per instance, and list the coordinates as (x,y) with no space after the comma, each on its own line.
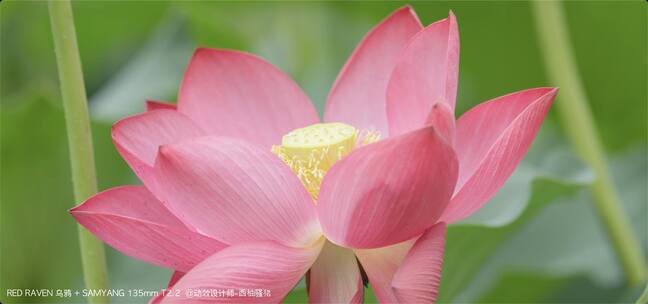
(581,131)
(643,299)
(79,137)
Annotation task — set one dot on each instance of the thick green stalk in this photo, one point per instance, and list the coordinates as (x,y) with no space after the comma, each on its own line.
(581,131)
(75,105)
(643,299)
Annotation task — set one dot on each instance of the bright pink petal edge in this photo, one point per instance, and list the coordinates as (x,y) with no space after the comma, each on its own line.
(358,94)
(491,139)
(134,222)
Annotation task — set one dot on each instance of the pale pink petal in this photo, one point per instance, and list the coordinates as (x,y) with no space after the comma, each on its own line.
(132,221)
(335,277)
(235,191)
(358,95)
(389,191)
(491,140)
(380,265)
(138,138)
(418,277)
(157,105)
(255,265)
(235,94)
(426,72)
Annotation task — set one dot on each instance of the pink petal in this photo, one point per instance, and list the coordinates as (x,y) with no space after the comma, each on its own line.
(255,265)
(236,192)
(426,73)
(175,277)
(236,94)
(157,105)
(417,279)
(385,193)
(358,95)
(491,139)
(138,138)
(132,221)
(381,264)
(158,298)
(442,118)
(335,277)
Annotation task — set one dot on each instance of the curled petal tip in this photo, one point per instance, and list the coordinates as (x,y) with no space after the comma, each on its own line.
(165,150)
(549,91)
(201,49)
(76,209)
(411,11)
(406,7)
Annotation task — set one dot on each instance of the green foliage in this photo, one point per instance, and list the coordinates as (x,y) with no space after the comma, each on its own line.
(564,240)
(34,218)
(549,159)
(39,246)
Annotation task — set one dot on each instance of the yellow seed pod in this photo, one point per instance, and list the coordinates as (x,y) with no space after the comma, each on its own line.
(312,150)
(323,143)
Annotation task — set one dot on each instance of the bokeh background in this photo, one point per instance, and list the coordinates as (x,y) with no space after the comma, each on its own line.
(539,240)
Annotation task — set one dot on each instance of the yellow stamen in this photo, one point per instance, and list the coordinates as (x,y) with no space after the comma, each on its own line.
(311,151)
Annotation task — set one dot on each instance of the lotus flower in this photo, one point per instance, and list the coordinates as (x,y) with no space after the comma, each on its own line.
(246,191)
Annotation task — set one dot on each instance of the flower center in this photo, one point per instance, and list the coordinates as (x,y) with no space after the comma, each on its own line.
(311,151)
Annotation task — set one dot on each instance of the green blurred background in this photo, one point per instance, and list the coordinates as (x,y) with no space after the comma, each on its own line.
(539,240)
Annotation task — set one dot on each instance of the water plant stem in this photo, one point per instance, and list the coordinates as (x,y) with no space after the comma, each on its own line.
(580,127)
(643,299)
(77,123)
